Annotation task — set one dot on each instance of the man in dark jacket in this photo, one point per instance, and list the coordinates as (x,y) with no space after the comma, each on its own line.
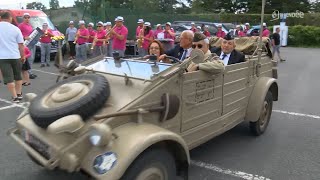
(227,52)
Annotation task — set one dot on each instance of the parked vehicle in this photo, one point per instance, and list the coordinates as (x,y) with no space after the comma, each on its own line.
(254,31)
(37,19)
(212,26)
(177,29)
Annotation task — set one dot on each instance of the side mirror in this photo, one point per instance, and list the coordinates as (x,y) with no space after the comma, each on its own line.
(116,55)
(171,105)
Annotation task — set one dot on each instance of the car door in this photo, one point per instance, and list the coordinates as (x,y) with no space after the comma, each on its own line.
(201,106)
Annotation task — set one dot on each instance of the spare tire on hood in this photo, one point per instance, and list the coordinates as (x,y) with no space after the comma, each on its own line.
(83,95)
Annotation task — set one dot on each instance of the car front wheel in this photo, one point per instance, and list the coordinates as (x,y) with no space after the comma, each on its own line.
(260,126)
(154,164)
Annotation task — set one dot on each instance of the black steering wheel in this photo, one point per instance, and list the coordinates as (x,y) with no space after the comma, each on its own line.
(174,59)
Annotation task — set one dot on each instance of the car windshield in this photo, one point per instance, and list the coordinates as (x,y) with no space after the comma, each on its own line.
(130,68)
(37,21)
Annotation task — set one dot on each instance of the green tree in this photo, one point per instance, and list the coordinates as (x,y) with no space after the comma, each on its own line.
(54,4)
(315,6)
(36,5)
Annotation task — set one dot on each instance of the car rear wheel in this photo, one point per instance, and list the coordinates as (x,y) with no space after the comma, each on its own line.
(260,126)
(154,164)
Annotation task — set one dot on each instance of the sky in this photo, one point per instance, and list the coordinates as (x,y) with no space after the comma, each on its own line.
(22,3)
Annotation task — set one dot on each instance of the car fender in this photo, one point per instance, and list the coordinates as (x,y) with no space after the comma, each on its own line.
(260,89)
(131,140)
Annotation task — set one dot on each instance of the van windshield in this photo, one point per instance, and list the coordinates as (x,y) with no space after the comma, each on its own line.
(37,21)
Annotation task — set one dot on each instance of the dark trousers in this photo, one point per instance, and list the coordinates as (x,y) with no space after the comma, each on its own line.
(72,48)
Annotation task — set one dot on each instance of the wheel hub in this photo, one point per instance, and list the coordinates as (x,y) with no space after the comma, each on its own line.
(67,91)
(152,173)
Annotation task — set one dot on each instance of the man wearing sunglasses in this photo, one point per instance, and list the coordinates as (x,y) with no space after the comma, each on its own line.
(26,29)
(210,64)
(227,51)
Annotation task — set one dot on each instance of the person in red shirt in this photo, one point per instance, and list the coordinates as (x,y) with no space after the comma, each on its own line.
(158,30)
(238,32)
(139,34)
(26,29)
(99,40)
(45,45)
(265,31)
(193,27)
(206,31)
(246,29)
(169,34)
(147,38)
(92,32)
(119,34)
(220,32)
(81,42)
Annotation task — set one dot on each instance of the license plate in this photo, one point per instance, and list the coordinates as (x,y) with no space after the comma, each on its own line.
(37,144)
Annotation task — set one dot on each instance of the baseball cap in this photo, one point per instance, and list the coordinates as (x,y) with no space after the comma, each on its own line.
(168,23)
(147,24)
(91,24)
(140,21)
(26,14)
(219,25)
(71,22)
(192,23)
(108,23)
(119,18)
(81,22)
(247,24)
(158,25)
(45,24)
(264,24)
(100,23)
(237,26)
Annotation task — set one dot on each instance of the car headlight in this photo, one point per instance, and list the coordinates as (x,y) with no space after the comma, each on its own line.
(100,134)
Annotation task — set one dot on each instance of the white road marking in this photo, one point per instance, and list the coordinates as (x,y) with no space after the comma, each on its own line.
(12,105)
(45,72)
(7,107)
(297,114)
(239,174)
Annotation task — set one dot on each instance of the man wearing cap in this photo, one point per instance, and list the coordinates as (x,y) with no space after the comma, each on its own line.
(206,31)
(209,64)
(119,35)
(26,29)
(71,36)
(81,42)
(139,36)
(139,27)
(238,32)
(182,50)
(147,38)
(220,33)
(92,32)
(45,45)
(227,51)
(157,31)
(108,27)
(169,34)
(100,39)
(265,31)
(11,56)
(246,29)
(193,27)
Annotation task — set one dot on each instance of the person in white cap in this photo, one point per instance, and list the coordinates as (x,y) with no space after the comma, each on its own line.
(220,33)
(157,31)
(193,27)
(147,38)
(119,35)
(26,29)
(82,38)
(99,47)
(139,35)
(45,45)
(92,32)
(71,35)
(206,31)
(238,32)
(169,34)
(110,39)
(139,27)
(265,30)
(246,29)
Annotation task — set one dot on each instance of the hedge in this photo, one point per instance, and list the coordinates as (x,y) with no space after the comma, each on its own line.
(304,36)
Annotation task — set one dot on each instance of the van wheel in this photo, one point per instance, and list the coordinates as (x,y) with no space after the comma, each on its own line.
(154,164)
(260,126)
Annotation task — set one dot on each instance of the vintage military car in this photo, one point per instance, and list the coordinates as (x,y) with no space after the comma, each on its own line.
(131,119)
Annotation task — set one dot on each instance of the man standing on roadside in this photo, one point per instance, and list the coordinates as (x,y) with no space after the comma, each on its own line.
(45,45)
(26,29)
(265,30)
(81,42)
(276,44)
(119,35)
(11,55)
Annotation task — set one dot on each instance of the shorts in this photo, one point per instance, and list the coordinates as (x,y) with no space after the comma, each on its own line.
(26,66)
(11,70)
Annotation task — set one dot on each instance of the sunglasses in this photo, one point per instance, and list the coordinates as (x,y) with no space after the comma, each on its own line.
(197,45)
(27,17)
(99,26)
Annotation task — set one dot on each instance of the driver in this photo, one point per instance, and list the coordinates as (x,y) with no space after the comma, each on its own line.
(210,63)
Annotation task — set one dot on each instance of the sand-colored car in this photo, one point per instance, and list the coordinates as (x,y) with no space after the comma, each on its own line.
(131,119)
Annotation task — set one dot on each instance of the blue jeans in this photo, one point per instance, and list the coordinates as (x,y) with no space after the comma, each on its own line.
(81,52)
(45,53)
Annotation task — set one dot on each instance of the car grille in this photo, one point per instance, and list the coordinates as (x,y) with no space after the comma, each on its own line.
(37,144)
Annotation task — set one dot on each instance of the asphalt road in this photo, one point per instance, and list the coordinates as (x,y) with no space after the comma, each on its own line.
(289,150)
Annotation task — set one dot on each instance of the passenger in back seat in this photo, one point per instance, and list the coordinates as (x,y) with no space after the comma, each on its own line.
(227,51)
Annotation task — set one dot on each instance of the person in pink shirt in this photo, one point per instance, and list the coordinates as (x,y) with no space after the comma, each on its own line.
(193,27)
(81,42)
(265,31)
(139,27)
(246,29)
(26,67)
(206,31)
(147,38)
(139,34)
(26,29)
(119,34)
(220,33)
(92,32)
(45,45)
(157,31)
(100,40)
(238,32)
(169,34)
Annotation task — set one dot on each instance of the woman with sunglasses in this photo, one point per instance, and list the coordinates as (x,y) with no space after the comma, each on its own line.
(99,40)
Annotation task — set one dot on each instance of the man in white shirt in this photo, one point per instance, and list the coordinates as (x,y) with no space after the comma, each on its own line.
(11,56)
